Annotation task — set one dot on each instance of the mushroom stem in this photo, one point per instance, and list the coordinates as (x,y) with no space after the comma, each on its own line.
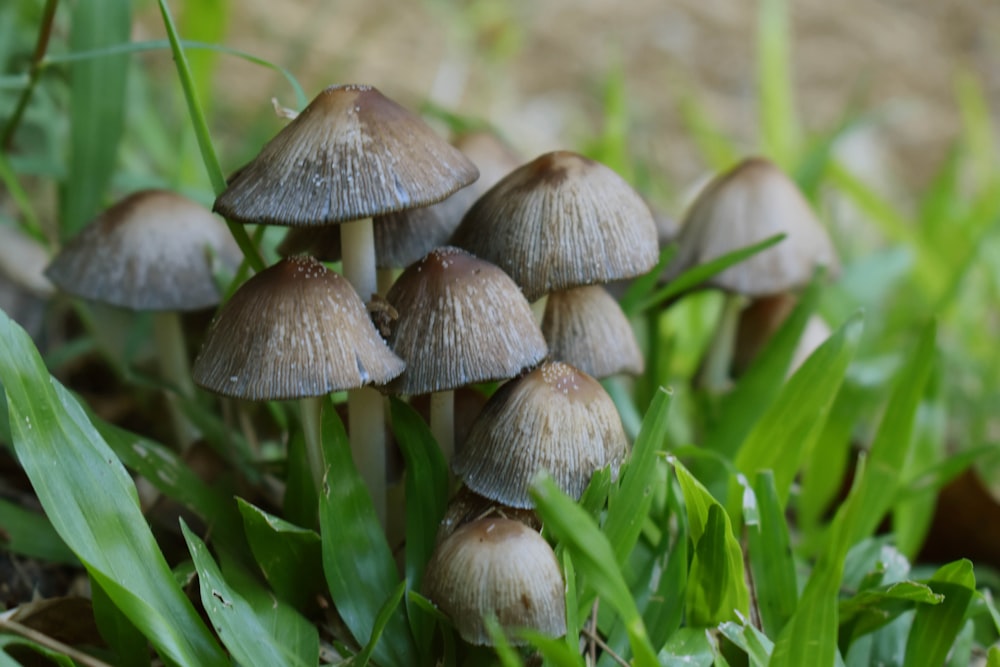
(357,241)
(443,422)
(311,414)
(364,407)
(176,370)
(538,308)
(714,373)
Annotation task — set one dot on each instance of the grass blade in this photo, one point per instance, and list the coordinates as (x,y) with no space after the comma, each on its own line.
(771,562)
(97,110)
(779,126)
(628,505)
(92,503)
(594,560)
(256,635)
(936,625)
(358,564)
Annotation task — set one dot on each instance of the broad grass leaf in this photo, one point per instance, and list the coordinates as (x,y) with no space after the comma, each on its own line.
(385,614)
(92,503)
(130,647)
(555,652)
(688,647)
(770,554)
(716,589)
(289,556)
(357,562)
(779,124)
(784,435)
(594,559)
(31,534)
(936,626)
(665,610)
(97,109)
(750,640)
(257,635)
(13,641)
(427,485)
(630,500)
(871,609)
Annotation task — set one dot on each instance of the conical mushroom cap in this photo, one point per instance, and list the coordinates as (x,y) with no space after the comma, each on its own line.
(351,154)
(461,320)
(295,329)
(467,506)
(555,418)
(586,327)
(497,567)
(150,251)
(403,237)
(561,221)
(751,202)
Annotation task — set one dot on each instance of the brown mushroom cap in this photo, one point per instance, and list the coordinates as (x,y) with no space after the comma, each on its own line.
(351,154)
(502,568)
(555,418)
(467,506)
(561,221)
(150,251)
(403,237)
(586,327)
(461,320)
(751,202)
(295,329)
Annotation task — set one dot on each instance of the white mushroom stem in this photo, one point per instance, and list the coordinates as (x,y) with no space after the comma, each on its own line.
(714,373)
(176,371)
(357,241)
(364,406)
(443,422)
(311,414)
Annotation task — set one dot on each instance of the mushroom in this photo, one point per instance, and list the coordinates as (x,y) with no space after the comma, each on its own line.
(351,154)
(461,320)
(746,205)
(468,506)
(295,330)
(501,568)
(555,418)
(151,251)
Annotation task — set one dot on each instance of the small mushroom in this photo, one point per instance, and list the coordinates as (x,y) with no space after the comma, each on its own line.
(501,568)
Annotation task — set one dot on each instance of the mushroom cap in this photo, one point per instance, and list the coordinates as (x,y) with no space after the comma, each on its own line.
(749,203)
(555,418)
(497,567)
(295,329)
(351,154)
(403,237)
(561,221)
(586,327)
(461,320)
(150,251)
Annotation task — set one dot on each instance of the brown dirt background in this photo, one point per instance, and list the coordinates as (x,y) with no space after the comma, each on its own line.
(535,69)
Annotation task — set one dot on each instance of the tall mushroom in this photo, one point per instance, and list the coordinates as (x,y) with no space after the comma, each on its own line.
(351,154)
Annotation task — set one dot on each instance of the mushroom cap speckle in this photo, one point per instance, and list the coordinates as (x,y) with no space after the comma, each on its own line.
(555,418)
(351,154)
(497,567)
(751,202)
(586,327)
(150,251)
(461,320)
(561,221)
(295,329)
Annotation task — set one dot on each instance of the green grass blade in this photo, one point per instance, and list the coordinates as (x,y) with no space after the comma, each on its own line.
(977,126)
(784,435)
(779,126)
(97,110)
(664,612)
(288,555)
(427,471)
(750,640)
(888,454)
(594,559)
(385,614)
(716,588)
(256,636)
(129,645)
(771,562)
(936,626)
(695,276)
(628,505)
(873,608)
(92,503)
(688,647)
(358,564)
(12,641)
(719,152)
(31,534)
(208,155)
